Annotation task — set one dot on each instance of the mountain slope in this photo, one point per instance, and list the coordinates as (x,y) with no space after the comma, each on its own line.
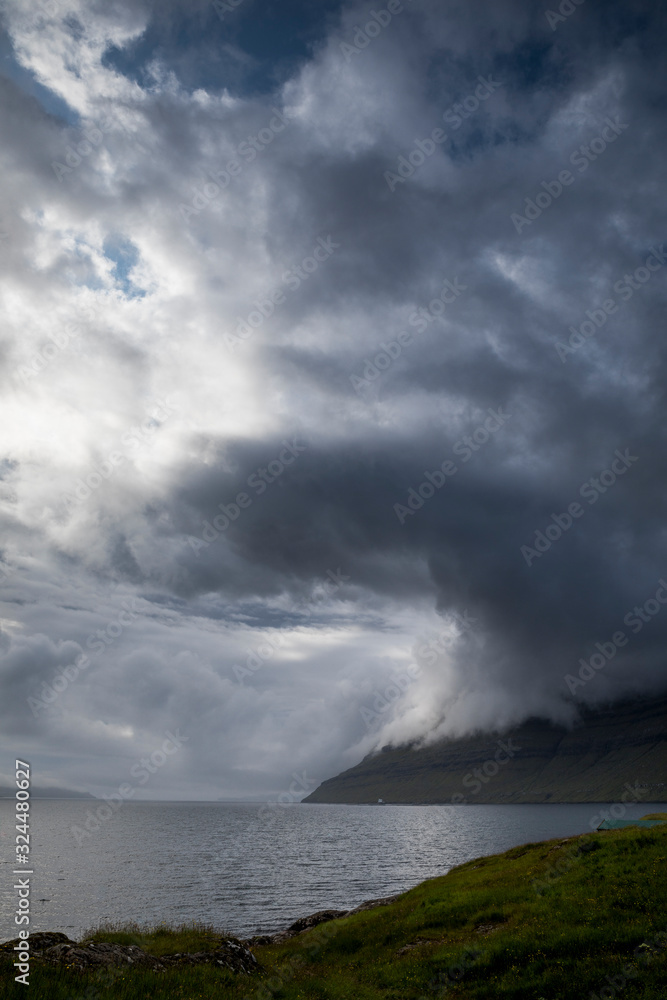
(624,745)
(7,792)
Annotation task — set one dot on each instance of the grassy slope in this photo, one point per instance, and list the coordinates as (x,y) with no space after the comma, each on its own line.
(548,920)
(590,763)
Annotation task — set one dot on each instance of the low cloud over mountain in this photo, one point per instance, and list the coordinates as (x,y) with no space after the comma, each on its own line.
(332,379)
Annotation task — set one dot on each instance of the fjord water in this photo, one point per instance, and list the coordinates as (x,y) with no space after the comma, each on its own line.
(252,869)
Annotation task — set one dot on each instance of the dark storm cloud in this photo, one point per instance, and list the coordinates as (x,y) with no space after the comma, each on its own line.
(331,390)
(568,418)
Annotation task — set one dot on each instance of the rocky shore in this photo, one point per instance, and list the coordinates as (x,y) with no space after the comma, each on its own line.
(307,923)
(56,949)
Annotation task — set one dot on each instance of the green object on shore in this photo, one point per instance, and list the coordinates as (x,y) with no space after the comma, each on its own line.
(561,919)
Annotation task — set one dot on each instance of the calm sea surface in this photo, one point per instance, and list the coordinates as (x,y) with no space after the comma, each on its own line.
(248,868)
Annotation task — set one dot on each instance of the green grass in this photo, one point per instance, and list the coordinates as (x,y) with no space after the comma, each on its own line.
(160,939)
(549,920)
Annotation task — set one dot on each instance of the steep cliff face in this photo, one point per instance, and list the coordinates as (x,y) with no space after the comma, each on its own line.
(536,762)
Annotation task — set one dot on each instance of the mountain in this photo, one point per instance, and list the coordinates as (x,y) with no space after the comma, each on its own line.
(535,762)
(46,793)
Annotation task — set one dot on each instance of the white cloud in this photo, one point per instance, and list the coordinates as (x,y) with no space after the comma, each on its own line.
(115,303)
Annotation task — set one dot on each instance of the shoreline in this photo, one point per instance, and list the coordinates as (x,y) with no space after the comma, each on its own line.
(247,929)
(312,920)
(514,923)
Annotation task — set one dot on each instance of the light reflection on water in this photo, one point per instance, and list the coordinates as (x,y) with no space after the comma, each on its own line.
(249,872)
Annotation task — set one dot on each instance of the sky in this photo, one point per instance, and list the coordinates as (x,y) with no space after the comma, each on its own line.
(332,378)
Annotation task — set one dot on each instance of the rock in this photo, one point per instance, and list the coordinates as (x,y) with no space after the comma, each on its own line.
(99,956)
(486,929)
(307,923)
(38,941)
(58,949)
(417,943)
(230,954)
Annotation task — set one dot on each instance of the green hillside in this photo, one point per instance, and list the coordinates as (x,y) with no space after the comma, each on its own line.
(594,762)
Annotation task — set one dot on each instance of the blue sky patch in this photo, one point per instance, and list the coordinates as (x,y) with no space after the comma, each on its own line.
(125,255)
(250,50)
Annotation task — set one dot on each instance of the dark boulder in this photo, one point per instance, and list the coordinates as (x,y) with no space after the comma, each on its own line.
(58,949)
